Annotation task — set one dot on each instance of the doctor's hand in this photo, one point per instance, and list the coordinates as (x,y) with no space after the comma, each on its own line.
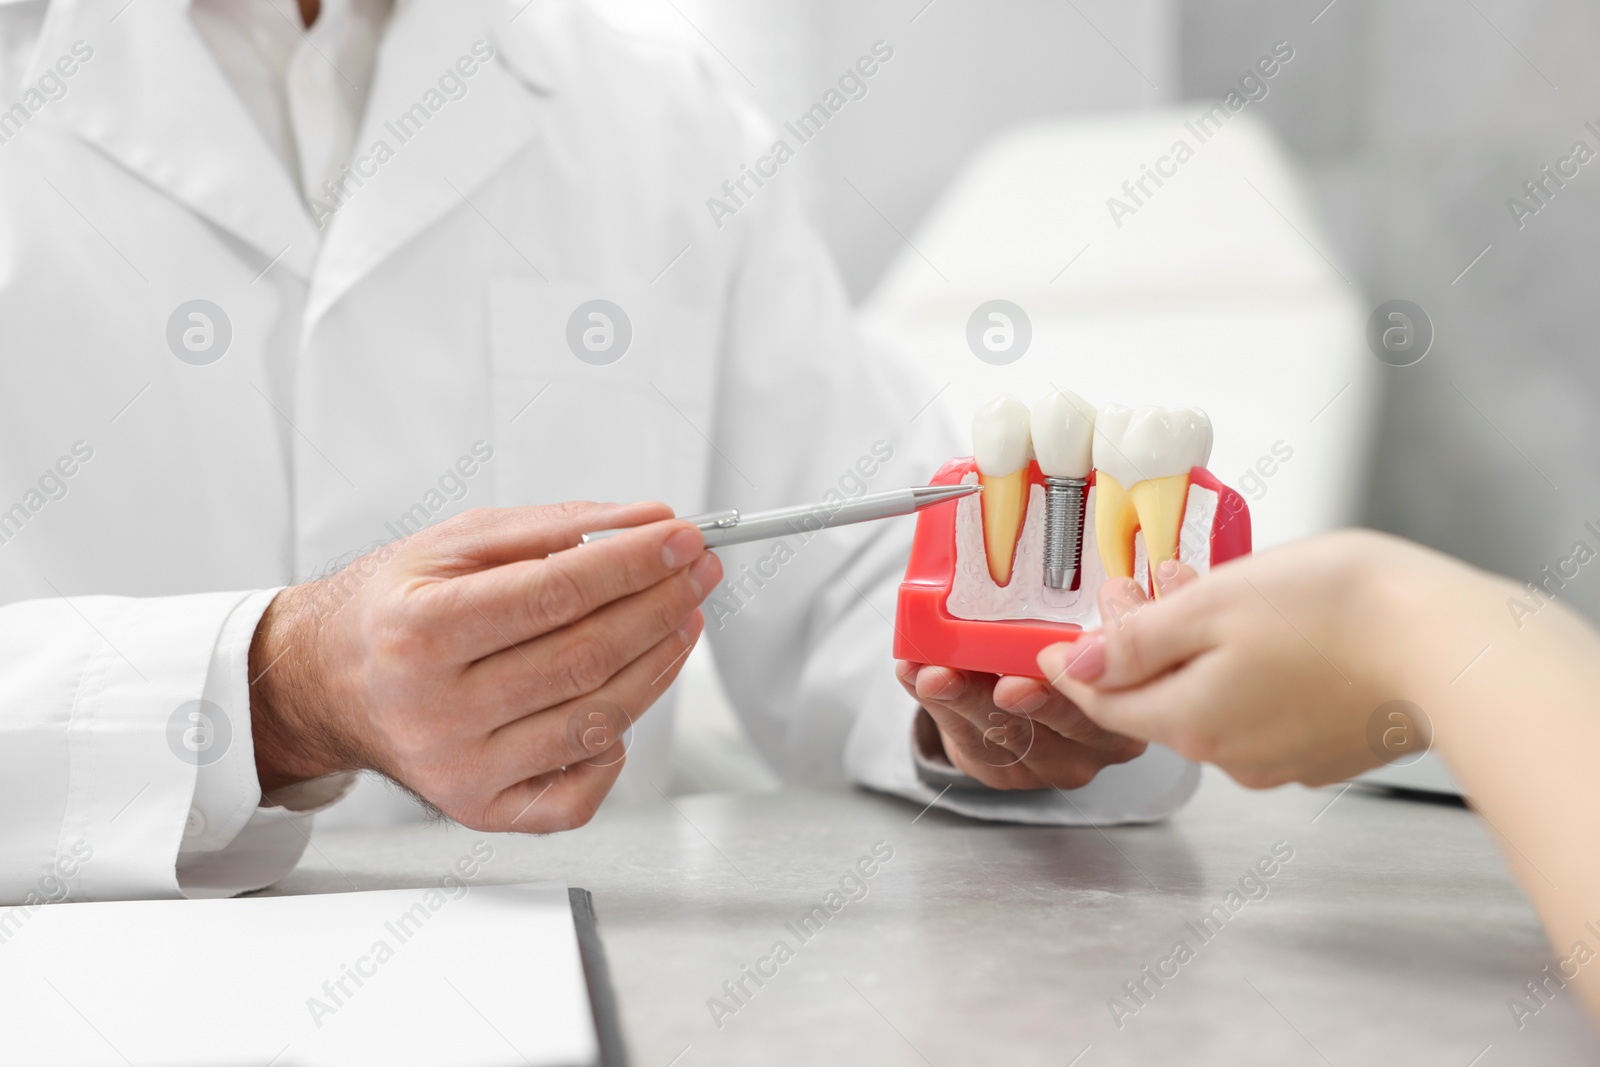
(1013,733)
(1272,666)
(486,664)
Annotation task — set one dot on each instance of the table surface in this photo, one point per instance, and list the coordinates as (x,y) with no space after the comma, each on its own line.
(1392,936)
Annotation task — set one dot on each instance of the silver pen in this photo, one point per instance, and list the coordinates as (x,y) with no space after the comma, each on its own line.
(732,528)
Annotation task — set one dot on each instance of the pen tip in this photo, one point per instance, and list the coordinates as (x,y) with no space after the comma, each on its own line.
(933,494)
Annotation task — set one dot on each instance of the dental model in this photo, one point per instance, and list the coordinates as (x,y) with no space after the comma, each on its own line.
(1143,459)
(997,576)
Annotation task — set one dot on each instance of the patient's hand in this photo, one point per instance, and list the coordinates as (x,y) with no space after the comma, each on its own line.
(1013,733)
(1273,666)
(484,663)
(1279,668)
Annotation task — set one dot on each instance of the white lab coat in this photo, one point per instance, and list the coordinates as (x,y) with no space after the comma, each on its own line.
(427,320)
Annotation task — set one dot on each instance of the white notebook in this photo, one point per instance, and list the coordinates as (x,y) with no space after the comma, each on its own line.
(478,975)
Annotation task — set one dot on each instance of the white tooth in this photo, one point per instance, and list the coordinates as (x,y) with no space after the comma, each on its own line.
(1002,446)
(1000,440)
(1144,458)
(1135,446)
(1063,434)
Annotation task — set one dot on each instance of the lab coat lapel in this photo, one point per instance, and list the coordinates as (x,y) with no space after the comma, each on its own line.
(153,99)
(422,151)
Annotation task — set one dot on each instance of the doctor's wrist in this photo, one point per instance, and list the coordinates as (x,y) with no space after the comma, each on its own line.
(292,728)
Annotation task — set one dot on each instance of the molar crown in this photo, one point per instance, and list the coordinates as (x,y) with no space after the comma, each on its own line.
(1063,433)
(1135,446)
(1144,458)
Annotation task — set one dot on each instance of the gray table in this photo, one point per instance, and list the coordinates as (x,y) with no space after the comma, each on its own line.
(1393,936)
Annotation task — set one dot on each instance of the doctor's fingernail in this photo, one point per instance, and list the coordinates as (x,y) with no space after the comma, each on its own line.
(1031,703)
(682,547)
(1166,570)
(703,576)
(692,627)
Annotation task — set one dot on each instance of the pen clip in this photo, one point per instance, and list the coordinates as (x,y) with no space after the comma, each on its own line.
(715,520)
(711,520)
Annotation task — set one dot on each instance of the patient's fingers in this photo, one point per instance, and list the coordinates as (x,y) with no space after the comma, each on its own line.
(1137,644)
(1158,711)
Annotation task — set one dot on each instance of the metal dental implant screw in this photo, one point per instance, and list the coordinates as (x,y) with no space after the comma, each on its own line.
(1063,530)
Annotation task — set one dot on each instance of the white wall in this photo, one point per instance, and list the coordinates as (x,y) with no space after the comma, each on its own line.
(1416,121)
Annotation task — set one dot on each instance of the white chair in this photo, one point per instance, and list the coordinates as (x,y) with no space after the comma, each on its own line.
(1214,291)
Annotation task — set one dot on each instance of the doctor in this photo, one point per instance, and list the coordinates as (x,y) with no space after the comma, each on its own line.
(301,306)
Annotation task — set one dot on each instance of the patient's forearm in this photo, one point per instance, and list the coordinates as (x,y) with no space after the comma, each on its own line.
(1520,729)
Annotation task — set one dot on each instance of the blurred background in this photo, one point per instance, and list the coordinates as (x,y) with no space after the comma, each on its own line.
(1378,163)
(1381,164)
(1411,124)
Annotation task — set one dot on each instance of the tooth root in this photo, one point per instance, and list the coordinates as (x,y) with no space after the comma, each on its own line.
(1115,522)
(1005,504)
(1159,503)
